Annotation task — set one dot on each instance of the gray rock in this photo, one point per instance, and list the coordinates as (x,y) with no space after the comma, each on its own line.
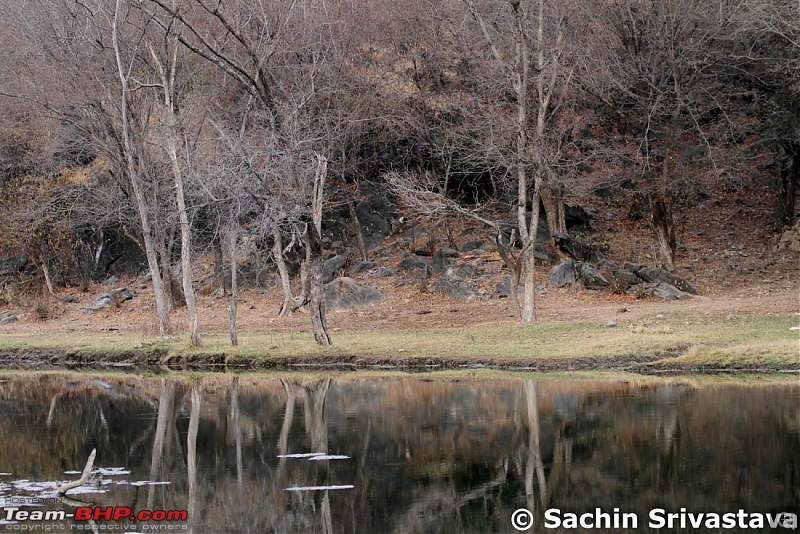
(470,245)
(13,264)
(7,317)
(611,323)
(563,275)
(111,298)
(577,249)
(413,263)
(504,287)
(449,252)
(591,277)
(345,294)
(384,272)
(660,290)
(360,267)
(69,299)
(465,270)
(634,267)
(543,255)
(618,278)
(440,262)
(452,286)
(331,266)
(656,275)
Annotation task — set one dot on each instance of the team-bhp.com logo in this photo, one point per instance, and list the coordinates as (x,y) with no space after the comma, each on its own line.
(778,520)
(94,513)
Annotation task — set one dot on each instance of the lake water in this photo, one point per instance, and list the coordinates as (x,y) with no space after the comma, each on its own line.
(372,454)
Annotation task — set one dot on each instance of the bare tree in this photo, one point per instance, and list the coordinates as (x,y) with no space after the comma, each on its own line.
(656,64)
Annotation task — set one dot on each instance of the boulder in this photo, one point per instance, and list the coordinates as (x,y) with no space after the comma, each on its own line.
(452,286)
(69,299)
(504,287)
(7,317)
(13,264)
(591,277)
(448,252)
(577,249)
(470,245)
(563,275)
(655,275)
(440,262)
(112,298)
(360,267)
(345,294)
(331,266)
(385,272)
(619,279)
(414,263)
(661,290)
(465,270)
(543,255)
(577,217)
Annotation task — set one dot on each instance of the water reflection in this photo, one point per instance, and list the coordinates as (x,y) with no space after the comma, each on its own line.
(402,454)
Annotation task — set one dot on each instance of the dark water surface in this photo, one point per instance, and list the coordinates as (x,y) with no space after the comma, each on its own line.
(404,454)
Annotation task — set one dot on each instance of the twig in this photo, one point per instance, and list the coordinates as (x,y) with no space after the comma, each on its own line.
(87,472)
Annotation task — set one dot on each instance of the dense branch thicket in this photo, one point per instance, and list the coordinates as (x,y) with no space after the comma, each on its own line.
(186,127)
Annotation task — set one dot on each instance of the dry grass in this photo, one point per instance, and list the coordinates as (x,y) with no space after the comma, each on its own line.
(733,341)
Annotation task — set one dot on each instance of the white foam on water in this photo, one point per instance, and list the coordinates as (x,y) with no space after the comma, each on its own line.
(301,455)
(330,457)
(319,488)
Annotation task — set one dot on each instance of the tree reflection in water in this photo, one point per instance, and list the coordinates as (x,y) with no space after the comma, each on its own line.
(423,453)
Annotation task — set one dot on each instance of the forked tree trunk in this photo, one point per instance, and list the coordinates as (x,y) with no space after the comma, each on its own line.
(288,305)
(162,307)
(314,244)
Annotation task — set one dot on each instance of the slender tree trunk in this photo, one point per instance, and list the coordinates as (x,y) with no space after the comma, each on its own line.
(162,307)
(529,262)
(788,166)
(316,302)
(233,236)
(288,305)
(183,217)
(362,246)
(314,235)
(47,279)
(219,267)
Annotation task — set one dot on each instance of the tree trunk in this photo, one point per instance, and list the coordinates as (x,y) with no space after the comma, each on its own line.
(47,279)
(515,268)
(664,226)
(219,268)
(162,307)
(316,303)
(528,314)
(234,305)
(788,165)
(314,244)
(362,246)
(553,201)
(186,233)
(288,305)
